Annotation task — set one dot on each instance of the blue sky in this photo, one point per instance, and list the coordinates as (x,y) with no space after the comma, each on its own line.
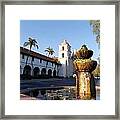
(53,32)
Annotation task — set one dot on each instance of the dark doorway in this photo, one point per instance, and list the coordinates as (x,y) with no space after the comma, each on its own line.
(43,71)
(49,73)
(36,71)
(27,70)
(54,73)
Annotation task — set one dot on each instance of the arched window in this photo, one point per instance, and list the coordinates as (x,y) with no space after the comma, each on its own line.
(49,72)
(54,73)
(27,70)
(63,48)
(43,71)
(36,71)
(62,55)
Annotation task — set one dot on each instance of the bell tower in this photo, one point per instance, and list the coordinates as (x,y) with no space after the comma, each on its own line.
(65,59)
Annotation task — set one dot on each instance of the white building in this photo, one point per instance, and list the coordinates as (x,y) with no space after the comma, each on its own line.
(39,65)
(66,69)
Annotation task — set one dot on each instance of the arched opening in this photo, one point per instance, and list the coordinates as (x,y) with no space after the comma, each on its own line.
(36,71)
(27,70)
(49,73)
(43,72)
(54,73)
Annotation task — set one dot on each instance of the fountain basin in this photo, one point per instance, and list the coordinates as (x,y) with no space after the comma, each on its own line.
(85,65)
(85,54)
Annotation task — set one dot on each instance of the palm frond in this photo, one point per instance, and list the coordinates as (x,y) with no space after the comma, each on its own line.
(26,44)
(49,50)
(31,42)
(37,46)
(30,39)
(46,50)
(34,40)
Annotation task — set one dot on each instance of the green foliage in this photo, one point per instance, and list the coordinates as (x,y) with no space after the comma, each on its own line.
(96,29)
(49,50)
(96,72)
(31,43)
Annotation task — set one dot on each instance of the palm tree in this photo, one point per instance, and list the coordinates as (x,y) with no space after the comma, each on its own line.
(50,51)
(31,43)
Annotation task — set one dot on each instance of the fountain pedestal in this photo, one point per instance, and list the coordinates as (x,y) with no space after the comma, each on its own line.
(85,85)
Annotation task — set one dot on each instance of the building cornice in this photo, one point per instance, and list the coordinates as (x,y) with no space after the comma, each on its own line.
(38,55)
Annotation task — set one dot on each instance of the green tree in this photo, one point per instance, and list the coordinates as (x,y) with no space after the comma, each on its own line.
(50,51)
(31,43)
(96,72)
(95,24)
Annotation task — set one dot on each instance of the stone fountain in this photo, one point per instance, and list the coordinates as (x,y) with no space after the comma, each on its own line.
(85,84)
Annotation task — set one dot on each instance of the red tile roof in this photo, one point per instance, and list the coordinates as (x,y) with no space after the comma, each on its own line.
(38,55)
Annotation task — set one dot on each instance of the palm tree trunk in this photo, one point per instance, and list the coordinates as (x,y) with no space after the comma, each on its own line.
(28,56)
(46,64)
(27,60)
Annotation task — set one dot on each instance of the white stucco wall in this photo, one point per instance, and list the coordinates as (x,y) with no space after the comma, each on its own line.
(36,63)
(66,69)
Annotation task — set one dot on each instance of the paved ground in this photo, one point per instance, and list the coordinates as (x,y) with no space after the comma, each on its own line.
(46,83)
(53,83)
